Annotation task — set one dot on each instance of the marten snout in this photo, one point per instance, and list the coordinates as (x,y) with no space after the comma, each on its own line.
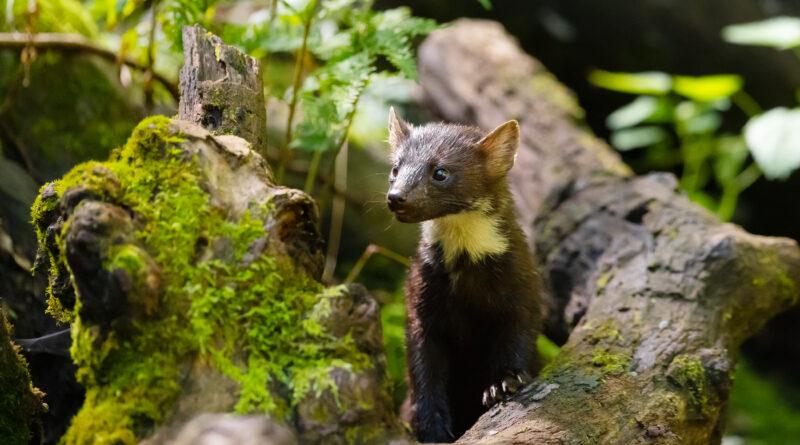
(399,204)
(395,199)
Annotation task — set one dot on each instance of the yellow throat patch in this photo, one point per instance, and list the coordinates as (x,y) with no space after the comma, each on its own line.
(474,233)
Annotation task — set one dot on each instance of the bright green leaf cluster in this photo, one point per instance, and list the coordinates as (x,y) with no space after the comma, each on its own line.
(678,120)
(699,88)
(351,56)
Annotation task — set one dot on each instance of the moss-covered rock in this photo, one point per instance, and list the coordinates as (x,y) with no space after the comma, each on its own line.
(20,403)
(190,280)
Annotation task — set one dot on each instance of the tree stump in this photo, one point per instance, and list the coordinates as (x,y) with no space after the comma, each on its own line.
(221,88)
(191,284)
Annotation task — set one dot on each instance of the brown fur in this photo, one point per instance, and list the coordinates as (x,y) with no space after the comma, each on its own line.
(473,302)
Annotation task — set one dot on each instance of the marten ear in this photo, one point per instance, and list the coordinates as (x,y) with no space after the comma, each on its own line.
(398,129)
(500,147)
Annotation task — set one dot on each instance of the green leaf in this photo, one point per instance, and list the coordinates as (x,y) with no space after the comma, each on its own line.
(391,37)
(776,32)
(774,140)
(487,4)
(640,110)
(174,14)
(633,138)
(707,88)
(651,82)
(547,349)
(702,198)
(731,153)
(697,117)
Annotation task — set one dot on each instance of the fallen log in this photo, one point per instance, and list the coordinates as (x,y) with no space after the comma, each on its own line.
(652,295)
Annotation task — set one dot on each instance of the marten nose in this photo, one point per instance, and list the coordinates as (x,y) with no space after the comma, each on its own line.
(395,199)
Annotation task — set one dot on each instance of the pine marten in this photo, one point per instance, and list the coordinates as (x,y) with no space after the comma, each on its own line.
(473,290)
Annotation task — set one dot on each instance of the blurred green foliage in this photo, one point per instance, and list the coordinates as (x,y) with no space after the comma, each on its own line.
(393,319)
(683,122)
(776,32)
(680,122)
(759,412)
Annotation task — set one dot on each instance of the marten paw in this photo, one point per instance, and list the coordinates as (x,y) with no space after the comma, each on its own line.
(506,388)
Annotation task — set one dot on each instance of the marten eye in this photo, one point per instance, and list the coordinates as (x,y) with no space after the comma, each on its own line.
(394,173)
(440,174)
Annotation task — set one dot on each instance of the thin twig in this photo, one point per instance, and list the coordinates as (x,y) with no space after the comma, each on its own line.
(368,252)
(13,92)
(298,77)
(299,169)
(22,150)
(317,157)
(311,176)
(337,216)
(746,103)
(340,180)
(49,41)
(151,59)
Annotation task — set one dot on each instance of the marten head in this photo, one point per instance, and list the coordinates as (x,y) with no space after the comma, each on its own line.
(443,169)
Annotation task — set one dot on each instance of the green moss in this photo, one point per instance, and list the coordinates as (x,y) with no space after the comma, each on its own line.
(688,372)
(365,434)
(603,280)
(20,403)
(212,302)
(607,331)
(611,363)
(778,276)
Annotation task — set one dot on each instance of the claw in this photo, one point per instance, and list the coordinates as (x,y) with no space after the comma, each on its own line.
(511,385)
(491,396)
(507,387)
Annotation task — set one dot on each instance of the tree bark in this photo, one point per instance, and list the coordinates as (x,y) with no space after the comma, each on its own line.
(652,294)
(221,88)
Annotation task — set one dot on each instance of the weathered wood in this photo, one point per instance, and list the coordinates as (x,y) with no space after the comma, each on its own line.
(660,293)
(221,88)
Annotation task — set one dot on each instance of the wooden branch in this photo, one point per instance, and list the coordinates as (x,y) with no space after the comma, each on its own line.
(50,41)
(661,294)
(221,88)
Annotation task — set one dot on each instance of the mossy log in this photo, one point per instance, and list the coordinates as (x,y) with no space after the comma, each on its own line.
(651,294)
(21,404)
(191,284)
(189,279)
